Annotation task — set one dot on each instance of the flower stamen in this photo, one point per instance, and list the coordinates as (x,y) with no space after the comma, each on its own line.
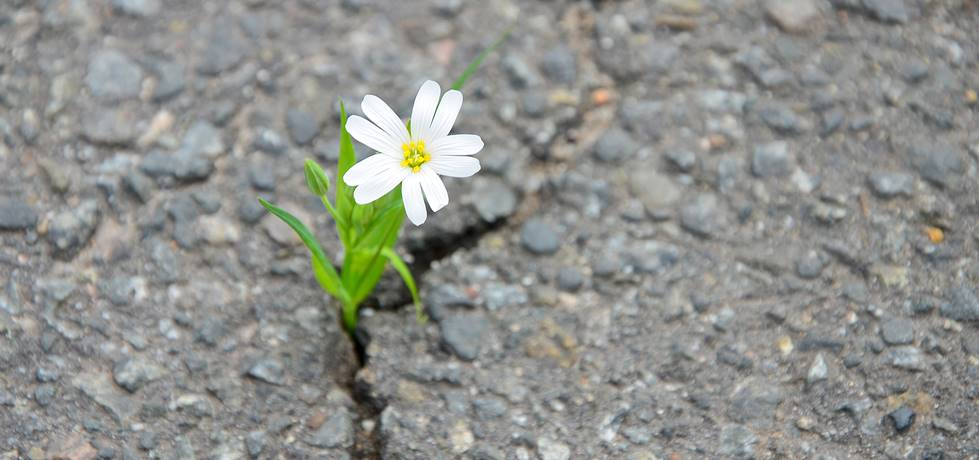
(415,155)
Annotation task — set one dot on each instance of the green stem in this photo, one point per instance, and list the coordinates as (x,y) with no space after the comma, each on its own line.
(341,220)
(349,311)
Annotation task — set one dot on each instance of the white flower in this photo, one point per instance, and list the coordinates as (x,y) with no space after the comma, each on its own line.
(416,159)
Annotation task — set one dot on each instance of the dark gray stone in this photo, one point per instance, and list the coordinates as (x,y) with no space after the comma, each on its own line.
(937,162)
(754,402)
(737,442)
(615,145)
(255,443)
(336,432)
(897,331)
(223,47)
(811,264)
(112,127)
(700,217)
(113,76)
(539,237)
(44,394)
(782,119)
(70,230)
(559,65)
(133,373)
(891,184)
(302,125)
(268,370)
(570,279)
(269,141)
(170,79)
(139,185)
(463,334)
(682,160)
(493,199)
(961,304)
(15,214)
(772,160)
(137,8)
(902,418)
(889,11)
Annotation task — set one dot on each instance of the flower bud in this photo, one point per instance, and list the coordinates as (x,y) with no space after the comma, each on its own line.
(316,179)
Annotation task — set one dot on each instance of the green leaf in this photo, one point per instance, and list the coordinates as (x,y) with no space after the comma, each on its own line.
(326,275)
(368,264)
(314,248)
(471,68)
(345,194)
(402,268)
(316,179)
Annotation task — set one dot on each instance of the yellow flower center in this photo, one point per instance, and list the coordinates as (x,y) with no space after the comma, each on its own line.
(415,155)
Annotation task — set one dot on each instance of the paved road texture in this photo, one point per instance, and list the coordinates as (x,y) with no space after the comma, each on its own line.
(703,229)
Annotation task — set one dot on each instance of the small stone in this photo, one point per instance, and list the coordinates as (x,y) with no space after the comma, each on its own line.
(30,126)
(520,74)
(937,162)
(224,47)
(700,216)
(754,401)
(615,145)
(113,127)
(772,160)
(827,214)
(70,230)
(944,424)
(112,76)
(493,199)
(302,126)
(133,373)
(902,418)
(255,443)
(46,375)
(569,279)
(336,432)
(269,141)
(44,394)
(889,11)
(805,423)
(657,192)
(137,8)
(737,442)
(140,186)
(147,440)
(16,215)
(905,357)
(795,16)
(99,387)
(811,265)
(218,231)
(961,304)
(268,370)
(539,237)
(891,184)
(549,449)
(897,331)
(463,334)
(818,371)
(202,139)
(170,79)
(559,65)
(781,119)
(682,160)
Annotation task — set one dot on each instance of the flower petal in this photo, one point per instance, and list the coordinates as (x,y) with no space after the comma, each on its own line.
(455,165)
(369,167)
(385,118)
(434,189)
(456,144)
(423,111)
(411,193)
(369,134)
(446,114)
(379,185)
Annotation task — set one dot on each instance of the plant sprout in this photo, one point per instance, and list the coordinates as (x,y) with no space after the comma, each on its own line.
(372,197)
